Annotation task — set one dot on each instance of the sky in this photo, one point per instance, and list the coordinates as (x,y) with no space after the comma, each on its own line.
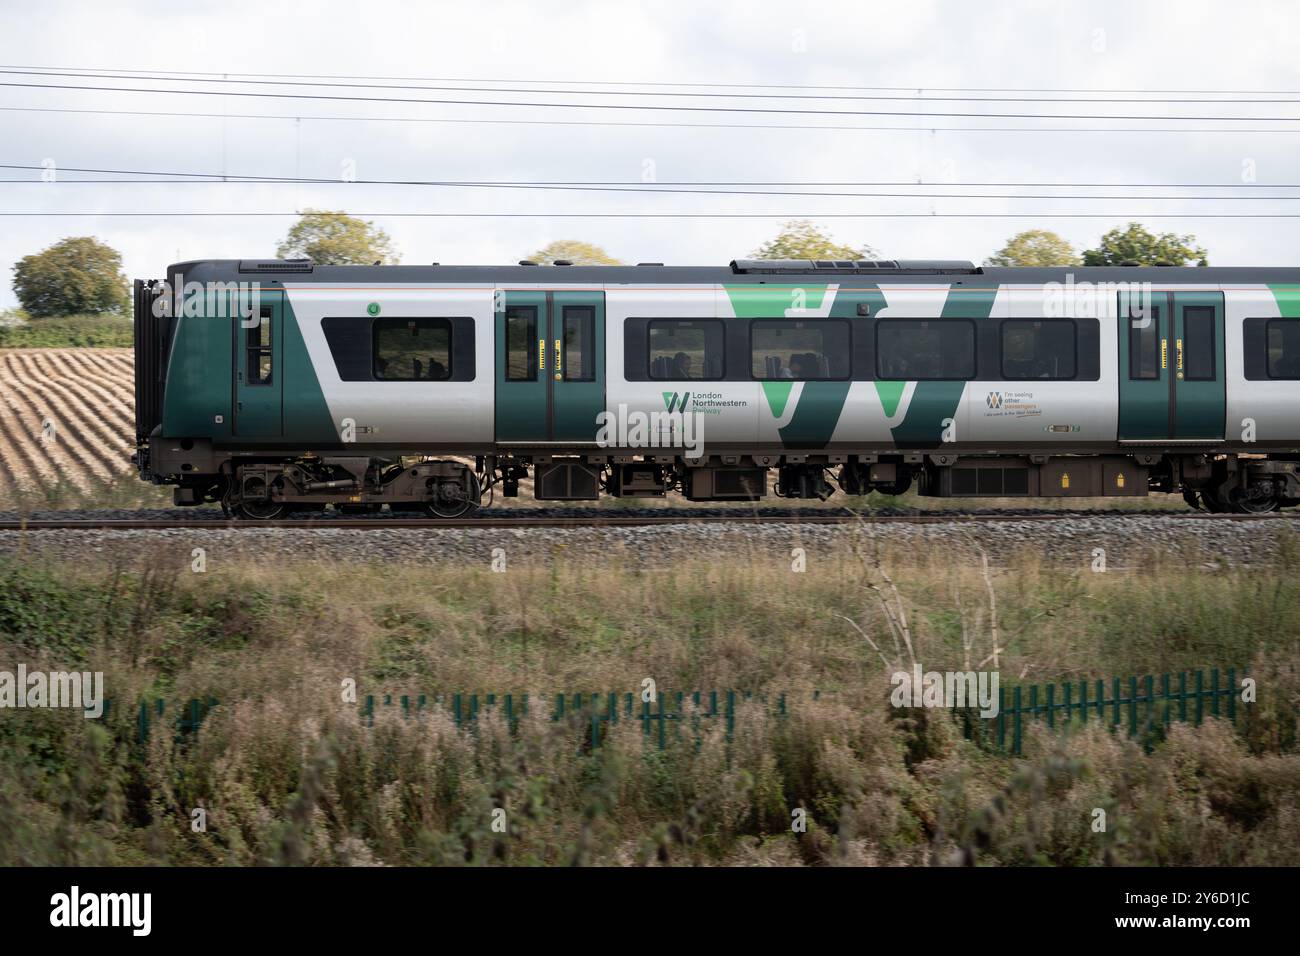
(756,48)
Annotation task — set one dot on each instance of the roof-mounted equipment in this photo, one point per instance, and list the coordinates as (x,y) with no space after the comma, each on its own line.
(913,267)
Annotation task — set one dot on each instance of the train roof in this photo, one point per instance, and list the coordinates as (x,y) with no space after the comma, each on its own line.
(739,272)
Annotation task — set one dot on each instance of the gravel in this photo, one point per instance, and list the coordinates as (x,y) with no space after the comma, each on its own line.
(1128,538)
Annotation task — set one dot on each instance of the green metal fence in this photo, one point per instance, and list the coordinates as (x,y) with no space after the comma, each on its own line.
(667,711)
(1138,705)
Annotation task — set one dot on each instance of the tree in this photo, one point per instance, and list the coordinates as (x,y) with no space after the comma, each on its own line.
(1136,244)
(575,251)
(73,276)
(800,239)
(337,239)
(1035,247)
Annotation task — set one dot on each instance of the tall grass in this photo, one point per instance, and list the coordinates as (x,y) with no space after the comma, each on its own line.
(288,773)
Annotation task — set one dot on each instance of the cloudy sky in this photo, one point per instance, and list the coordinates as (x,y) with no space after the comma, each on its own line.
(583,54)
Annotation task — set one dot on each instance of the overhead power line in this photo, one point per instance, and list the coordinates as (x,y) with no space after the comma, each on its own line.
(920,96)
(163,74)
(650,107)
(668,188)
(657,124)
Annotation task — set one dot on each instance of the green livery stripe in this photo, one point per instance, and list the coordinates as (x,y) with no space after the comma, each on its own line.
(932,402)
(777,394)
(1288,300)
(306,413)
(770,301)
(822,403)
(816,415)
(890,394)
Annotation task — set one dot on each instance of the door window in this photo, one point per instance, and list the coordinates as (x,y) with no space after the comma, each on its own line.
(258,349)
(1144,345)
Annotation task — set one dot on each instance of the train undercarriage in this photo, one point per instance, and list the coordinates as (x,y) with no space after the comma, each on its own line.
(454,488)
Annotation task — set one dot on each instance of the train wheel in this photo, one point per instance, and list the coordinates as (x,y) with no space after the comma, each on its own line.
(457,506)
(259,510)
(1256,500)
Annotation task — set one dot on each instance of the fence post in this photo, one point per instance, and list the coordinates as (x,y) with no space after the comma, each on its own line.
(1132,706)
(1214,691)
(1015,733)
(1149,690)
(1232,693)
(1115,702)
(1200,699)
(1083,700)
(1164,697)
(1002,717)
(1182,696)
(1051,706)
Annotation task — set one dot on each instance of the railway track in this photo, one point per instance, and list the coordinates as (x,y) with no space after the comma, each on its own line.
(571,521)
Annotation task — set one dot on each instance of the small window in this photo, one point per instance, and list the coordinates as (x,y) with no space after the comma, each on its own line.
(1284,348)
(412,350)
(925,349)
(521,343)
(1144,344)
(686,350)
(579,343)
(259,350)
(1038,349)
(803,351)
(1198,343)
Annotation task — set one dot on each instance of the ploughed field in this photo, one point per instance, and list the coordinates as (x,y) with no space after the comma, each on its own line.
(66,418)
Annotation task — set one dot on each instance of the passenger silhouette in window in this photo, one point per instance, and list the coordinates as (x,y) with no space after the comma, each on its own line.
(681,365)
(803,365)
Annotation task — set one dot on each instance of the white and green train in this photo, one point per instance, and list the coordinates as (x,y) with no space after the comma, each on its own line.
(283,385)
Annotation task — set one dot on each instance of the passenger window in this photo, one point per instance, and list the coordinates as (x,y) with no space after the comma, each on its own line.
(521,343)
(1144,344)
(1284,348)
(1038,348)
(803,351)
(686,350)
(412,350)
(925,349)
(258,350)
(579,344)
(1198,343)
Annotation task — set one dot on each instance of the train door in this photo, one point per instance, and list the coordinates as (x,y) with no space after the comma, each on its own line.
(1200,404)
(1171,376)
(259,368)
(550,366)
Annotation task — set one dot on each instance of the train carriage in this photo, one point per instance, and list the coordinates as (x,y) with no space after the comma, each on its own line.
(274,386)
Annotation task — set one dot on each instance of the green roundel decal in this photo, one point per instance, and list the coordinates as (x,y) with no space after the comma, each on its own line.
(373,308)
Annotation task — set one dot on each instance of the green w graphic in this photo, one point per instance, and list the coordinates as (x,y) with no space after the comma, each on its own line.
(676,401)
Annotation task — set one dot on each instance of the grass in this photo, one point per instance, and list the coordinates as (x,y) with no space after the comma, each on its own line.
(69,331)
(125,492)
(288,773)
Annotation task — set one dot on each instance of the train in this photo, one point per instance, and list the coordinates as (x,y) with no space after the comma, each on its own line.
(276,386)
